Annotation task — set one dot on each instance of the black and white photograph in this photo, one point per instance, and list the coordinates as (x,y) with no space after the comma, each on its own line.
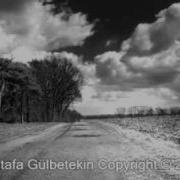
(89,90)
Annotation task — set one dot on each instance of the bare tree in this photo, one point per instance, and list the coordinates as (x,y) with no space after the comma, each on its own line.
(161,111)
(174,110)
(60,82)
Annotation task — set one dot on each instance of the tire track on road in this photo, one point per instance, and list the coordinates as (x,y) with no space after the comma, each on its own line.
(43,150)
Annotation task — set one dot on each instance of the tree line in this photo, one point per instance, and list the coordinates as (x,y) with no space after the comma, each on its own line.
(136,111)
(38,91)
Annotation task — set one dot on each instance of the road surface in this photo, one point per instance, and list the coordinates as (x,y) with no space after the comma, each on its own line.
(89,150)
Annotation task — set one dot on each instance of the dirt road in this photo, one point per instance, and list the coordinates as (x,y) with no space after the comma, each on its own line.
(89,150)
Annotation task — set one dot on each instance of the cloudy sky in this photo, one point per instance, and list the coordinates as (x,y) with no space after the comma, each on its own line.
(129,53)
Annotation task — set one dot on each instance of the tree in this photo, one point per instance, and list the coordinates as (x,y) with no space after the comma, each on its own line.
(4,77)
(60,82)
(174,110)
(16,84)
(150,112)
(161,111)
(46,87)
(27,87)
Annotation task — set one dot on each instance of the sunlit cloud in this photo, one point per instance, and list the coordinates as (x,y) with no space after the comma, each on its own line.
(150,58)
(33,29)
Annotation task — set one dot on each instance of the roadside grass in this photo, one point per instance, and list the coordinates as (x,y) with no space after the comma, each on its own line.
(13,131)
(164,127)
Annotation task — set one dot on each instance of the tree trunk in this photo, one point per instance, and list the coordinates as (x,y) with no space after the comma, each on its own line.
(47,111)
(54,114)
(1,95)
(22,118)
(64,109)
(0,102)
(27,108)
(22,109)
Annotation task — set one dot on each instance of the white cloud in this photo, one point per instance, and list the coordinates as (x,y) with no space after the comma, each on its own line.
(6,40)
(34,29)
(26,54)
(153,38)
(150,58)
(99,102)
(146,71)
(112,71)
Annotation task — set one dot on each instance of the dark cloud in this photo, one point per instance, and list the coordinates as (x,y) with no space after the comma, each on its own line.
(116,20)
(150,58)
(13,5)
